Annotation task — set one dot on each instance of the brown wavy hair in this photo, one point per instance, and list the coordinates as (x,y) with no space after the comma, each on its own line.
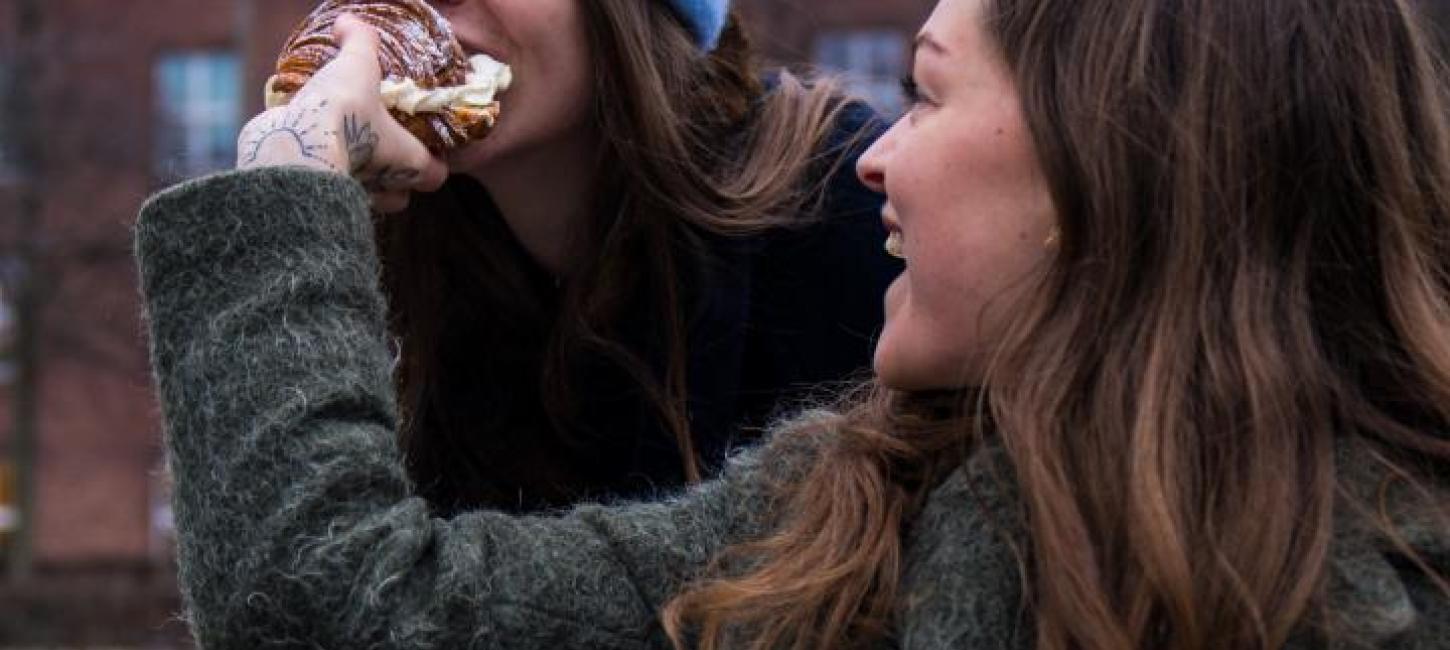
(694,146)
(1251,278)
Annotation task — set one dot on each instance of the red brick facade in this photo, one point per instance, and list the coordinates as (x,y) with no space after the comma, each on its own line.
(787,29)
(98,434)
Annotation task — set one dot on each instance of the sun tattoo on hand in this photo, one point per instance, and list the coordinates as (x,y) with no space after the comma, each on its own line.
(310,140)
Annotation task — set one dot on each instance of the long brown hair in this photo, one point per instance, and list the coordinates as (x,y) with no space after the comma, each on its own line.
(1254,204)
(694,146)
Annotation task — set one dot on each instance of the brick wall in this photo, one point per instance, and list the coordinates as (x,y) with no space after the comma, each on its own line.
(104,576)
(787,29)
(98,444)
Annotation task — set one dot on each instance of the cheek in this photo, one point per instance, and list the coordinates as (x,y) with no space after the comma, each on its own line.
(975,214)
(553,39)
(946,314)
(930,340)
(552,95)
(556,70)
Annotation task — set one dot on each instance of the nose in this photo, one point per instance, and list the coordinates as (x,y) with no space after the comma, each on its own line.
(871,167)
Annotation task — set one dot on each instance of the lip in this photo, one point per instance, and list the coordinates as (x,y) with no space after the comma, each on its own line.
(889,221)
(894,237)
(471,48)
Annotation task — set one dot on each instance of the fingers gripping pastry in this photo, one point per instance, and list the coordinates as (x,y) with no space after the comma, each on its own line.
(430,86)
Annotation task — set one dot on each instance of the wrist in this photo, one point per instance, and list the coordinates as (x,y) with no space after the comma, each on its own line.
(296,134)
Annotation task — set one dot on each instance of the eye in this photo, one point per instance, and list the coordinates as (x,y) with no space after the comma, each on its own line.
(910,91)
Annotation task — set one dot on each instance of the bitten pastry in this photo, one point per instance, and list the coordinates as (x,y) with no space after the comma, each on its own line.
(430,86)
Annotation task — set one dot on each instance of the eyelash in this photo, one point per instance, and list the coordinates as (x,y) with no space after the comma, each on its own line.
(910,91)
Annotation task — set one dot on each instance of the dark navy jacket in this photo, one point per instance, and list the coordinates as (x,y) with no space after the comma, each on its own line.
(800,309)
(774,316)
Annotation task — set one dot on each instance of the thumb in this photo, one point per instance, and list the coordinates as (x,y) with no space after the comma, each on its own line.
(358,46)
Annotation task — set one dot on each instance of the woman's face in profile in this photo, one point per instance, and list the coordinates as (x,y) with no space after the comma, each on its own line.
(545,43)
(965,190)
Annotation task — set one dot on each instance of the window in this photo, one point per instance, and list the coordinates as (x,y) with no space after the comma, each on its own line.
(872,62)
(198,110)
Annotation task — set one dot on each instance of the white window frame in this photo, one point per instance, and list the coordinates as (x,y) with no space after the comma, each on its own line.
(199,111)
(872,61)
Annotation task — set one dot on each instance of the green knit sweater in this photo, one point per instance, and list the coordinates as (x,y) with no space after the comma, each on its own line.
(298,528)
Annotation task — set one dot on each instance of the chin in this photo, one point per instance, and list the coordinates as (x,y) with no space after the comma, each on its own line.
(476,156)
(894,373)
(920,372)
(908,382)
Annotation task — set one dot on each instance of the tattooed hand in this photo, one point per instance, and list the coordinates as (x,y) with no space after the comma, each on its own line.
(337,122)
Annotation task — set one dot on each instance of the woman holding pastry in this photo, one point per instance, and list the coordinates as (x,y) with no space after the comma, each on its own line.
(613,245)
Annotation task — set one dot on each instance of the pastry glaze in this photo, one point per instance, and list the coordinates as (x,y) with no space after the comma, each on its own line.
(415,43)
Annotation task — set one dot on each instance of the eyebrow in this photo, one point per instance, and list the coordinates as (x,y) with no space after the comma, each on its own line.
(926,41)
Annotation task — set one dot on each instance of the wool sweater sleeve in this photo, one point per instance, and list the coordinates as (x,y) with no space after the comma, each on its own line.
(296,522)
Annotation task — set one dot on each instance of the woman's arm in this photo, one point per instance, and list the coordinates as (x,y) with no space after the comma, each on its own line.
(296,521)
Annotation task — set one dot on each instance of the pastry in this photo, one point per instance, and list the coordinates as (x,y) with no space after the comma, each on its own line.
(430,86)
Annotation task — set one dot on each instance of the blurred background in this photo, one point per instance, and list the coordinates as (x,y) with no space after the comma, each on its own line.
(101,103)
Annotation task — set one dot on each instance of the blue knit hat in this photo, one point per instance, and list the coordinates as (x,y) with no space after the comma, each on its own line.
(705,18)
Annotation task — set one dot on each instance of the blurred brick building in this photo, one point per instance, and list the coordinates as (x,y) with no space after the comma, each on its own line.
(866,41)
(136,95)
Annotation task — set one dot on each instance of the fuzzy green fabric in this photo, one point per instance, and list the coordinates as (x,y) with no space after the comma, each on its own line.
(298,528)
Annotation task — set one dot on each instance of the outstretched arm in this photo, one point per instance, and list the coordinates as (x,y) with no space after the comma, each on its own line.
(296,520)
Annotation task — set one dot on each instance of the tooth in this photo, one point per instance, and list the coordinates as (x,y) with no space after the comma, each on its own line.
(893,245)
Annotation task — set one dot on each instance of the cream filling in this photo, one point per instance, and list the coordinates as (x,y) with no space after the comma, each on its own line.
(479,89)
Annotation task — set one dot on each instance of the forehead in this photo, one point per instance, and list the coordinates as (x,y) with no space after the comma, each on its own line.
(956,24)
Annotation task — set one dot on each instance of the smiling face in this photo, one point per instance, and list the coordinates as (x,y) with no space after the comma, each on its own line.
(545,43)
(965,190)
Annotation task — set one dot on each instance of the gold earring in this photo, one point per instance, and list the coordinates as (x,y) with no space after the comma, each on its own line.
(1052,238)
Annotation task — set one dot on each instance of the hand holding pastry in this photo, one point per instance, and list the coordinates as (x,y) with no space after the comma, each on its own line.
(337,121)
(430,85)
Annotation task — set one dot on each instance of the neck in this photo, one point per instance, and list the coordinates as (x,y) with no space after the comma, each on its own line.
(544,197)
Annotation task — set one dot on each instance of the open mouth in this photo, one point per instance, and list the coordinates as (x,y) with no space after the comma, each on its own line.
(894,245)
(486,60)
(475,45)
(486,79)
(894,241)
